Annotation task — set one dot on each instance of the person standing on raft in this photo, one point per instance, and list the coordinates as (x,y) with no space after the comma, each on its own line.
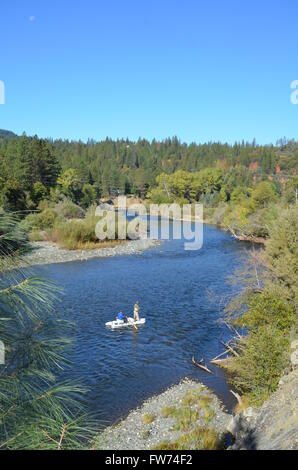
(136,311)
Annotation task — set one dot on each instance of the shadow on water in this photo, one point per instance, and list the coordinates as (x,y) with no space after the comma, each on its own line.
(123,368)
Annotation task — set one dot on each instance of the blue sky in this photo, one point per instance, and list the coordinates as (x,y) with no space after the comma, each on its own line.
(219,70)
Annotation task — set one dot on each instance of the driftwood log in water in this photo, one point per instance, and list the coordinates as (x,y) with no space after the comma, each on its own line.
(200,365)
(230,349)
(232,329)
(220,355)
(245,238)
(220,362)
(238,397)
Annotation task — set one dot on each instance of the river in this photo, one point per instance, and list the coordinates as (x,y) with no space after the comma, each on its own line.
(122,368)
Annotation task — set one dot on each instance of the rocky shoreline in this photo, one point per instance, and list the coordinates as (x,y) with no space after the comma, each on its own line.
(50,253)
(189,416)
(166,418)
(273,426)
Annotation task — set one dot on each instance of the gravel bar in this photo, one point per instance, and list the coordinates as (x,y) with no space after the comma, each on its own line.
(134,434)
(50,253)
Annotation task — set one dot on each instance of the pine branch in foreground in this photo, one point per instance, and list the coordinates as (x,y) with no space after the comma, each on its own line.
(36,412)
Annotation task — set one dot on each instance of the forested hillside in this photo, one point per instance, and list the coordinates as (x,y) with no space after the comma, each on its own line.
(7,134)
(89,170)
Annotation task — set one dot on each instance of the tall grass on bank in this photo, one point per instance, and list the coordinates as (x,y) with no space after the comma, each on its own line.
(57,224)
(80,234)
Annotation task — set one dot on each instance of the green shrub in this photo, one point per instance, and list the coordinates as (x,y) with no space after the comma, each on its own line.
(45,204)
(30,222)
(281,253)
(56,195)
(264,356)
(89,195)
(236,218)
(69,210)
(47,218)
(38,193)
(268,308)
(36,236)
(263,194)
(158,196)
(40,221)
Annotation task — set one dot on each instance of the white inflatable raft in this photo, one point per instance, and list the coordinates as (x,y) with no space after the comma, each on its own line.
(122,324)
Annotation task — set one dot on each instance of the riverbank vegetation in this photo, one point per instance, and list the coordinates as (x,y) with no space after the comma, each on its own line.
(266,309)
(67,225)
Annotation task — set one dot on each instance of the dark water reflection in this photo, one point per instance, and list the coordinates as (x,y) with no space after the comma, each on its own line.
(122,368)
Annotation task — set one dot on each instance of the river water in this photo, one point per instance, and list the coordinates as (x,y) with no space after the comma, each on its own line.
(122,368)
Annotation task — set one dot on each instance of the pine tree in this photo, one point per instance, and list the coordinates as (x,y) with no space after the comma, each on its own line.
(49,167)
(24,162)
(36,412)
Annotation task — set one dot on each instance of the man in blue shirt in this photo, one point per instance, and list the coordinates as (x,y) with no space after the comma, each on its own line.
(120,315)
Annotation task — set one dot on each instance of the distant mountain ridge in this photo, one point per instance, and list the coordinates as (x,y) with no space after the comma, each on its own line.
(7,134)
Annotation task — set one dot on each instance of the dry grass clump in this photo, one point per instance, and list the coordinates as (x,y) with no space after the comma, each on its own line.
(148,418)
(168,411)
(200,438)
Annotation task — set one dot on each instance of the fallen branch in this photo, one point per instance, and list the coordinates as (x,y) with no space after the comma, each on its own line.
(220,355)
(232,329)
(238,397)
(229,348)
(201,366)
(230,229)
(243,237)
